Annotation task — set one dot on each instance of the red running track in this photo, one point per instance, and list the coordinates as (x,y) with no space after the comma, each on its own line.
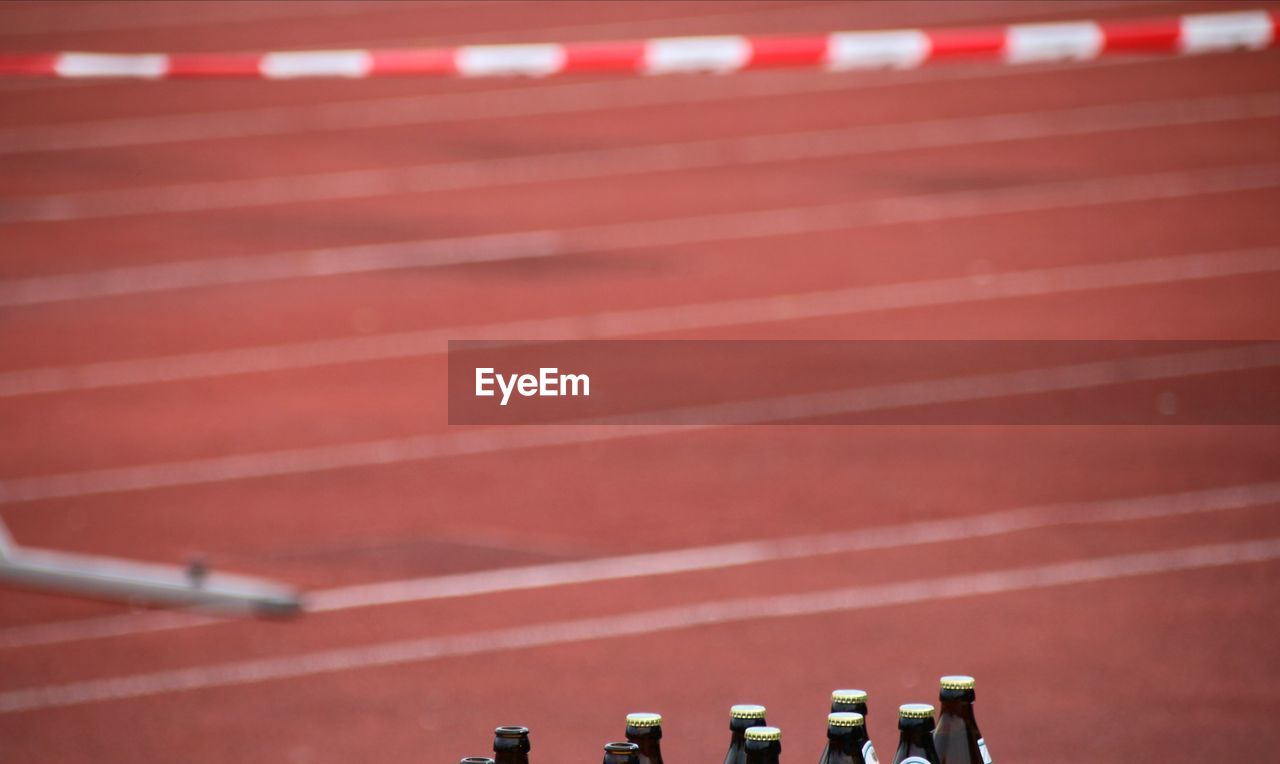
(1100,575)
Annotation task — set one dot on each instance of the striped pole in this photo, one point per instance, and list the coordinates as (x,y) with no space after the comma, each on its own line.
(1190,34)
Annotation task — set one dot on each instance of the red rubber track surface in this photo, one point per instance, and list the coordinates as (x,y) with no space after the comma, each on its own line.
(1100,671)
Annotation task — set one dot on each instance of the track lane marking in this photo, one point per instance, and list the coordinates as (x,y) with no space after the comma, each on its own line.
(644,234)
(712,557)
(118,21)
(471,442)
(645,321)
(504,103)
(662,620)
(633,160)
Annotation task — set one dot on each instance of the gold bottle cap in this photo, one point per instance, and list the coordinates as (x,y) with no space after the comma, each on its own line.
(764,733)
(746,711)
(957,682)
(849,696)
(644,720)
(845,719)
(915,711)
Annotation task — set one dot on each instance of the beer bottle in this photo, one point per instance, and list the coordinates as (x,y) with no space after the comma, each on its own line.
(846,701)
(847,741)
(851,701)
(645,730)
(763,745)
(915,743)
(957,738)
(621,753)
(740,718)
(511,745)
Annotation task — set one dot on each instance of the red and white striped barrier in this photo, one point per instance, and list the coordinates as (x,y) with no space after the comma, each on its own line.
(906,48)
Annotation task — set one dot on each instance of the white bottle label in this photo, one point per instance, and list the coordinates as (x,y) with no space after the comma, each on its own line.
(869,753)
(914,760)
(982,748)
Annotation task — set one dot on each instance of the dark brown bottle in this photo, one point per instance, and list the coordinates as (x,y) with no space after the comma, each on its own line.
(511,745)
(915,738)
(847,741)
(957,738)
(846,701)
(645,730)
(621,753)
(742,717)
(763,745)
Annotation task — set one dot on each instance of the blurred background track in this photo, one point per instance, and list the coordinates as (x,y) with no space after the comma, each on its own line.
(170,317)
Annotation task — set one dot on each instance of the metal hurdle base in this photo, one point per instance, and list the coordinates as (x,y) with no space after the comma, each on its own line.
(142,583)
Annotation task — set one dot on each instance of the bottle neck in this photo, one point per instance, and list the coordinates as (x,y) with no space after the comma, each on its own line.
(916,739)
(844,744)
(511,750)
(647,739)
(961,710)
(511,756)
(738,730)
(916,734)
(838,706)
(957,736)
(763,752)
(738,739)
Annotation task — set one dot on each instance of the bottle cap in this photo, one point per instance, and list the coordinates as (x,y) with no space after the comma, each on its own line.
(849,696)
(845,719)
(476,760)
(764,733)
(621,748)
(644,720)
(915,711)
(746,711)
(957,682)
(511,731)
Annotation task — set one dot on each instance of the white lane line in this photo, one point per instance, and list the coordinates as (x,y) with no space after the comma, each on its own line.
(713,557)
(102,627)
(261,12)
(505,103)
(245,466)
(814,15)
(645,234)
(647,321)
(127,22)
(716,612)
(629,160)
(147,17)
